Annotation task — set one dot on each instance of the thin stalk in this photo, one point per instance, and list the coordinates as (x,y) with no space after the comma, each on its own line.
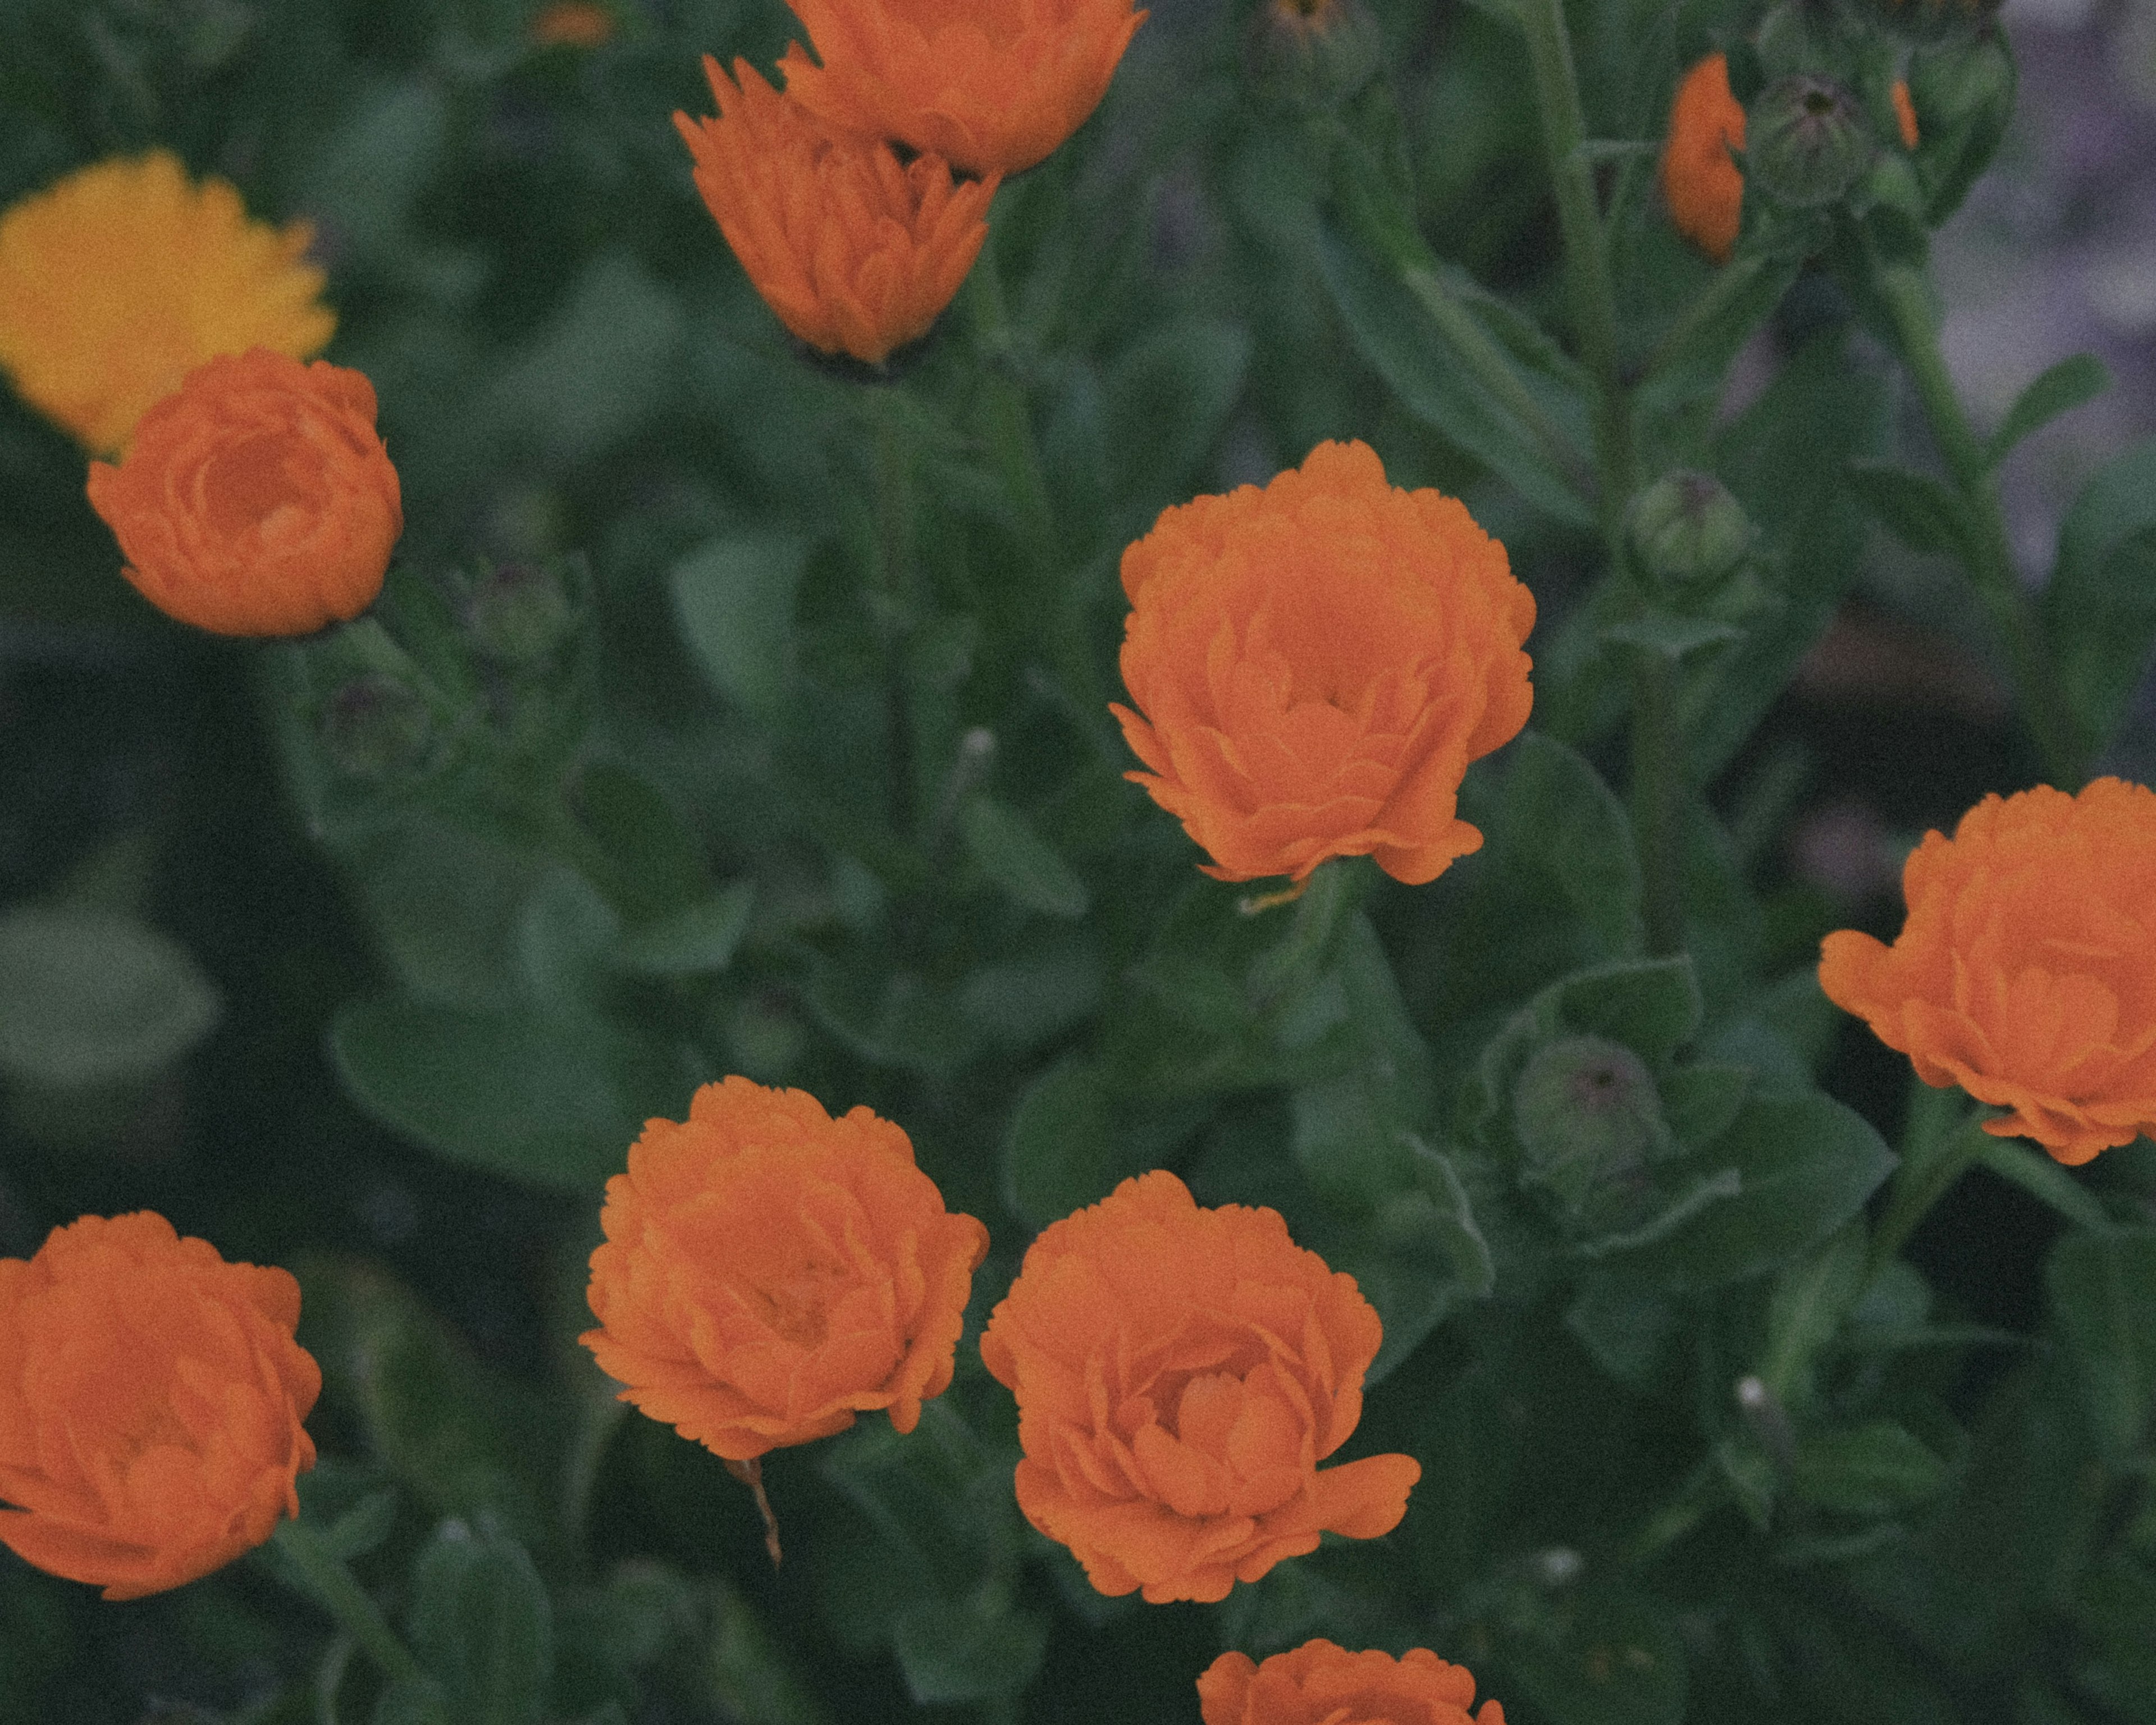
(1928,1171)
(1990,562)
(331,1585)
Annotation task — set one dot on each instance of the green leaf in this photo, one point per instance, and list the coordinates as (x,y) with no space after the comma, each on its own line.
(89,999)
(733,598)
(2043,1179)
(2103,1290)
(2058,389)
(2099,608)
(1700,1102)
(1694,358)
(1061,1154)
(1671,637)
(955,1651)
(2117,1607)
(1034,996)
(1166,398)
(1022,863)
(481,1624)
(1626,1327)
(1877,1469)
(658,864)
(752,1680)
(1652,1005)
(1811,1298)
(697,940)
(552,1100)
(1923,513)
(1807,1164)
(412,1700)
(363,1526)
(1611,1658)
(1569,826)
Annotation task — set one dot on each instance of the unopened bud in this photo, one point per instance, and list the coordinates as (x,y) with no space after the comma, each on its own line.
(375,727)
(1806,142)
(1590,1121)
(1320,51)
(519,613)
(1686,528)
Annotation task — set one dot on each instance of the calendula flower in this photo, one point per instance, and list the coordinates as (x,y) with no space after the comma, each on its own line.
(991,87)
(1701,185)
(151,1402)
(2026,972)
(1313,666)
(573,24)
(1905,114)
(1321,1683)
(256,500)
(119,278)
(769,1272)
(1180,1373)
(855,253)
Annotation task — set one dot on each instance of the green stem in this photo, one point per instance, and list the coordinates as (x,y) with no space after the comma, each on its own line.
(331,1585)
(1657,801)
(1928,1170)
(1731,284)
(1990,563)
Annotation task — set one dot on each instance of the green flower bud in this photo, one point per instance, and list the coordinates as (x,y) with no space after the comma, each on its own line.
(519,613)
(375,727)
(1806,142)
(1320,52)
(1590,1124)
(1687,529)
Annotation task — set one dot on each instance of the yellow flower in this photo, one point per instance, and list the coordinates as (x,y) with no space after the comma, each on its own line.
(119,278)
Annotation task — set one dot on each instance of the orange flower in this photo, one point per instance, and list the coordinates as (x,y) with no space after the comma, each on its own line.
(151,1401)
(991,87)
(573,23)
(1905,114)
(1314,664)
(1321,1683)
(1180,1373)
(2026,970)
(769,1271)
(256,500)
(1702,185)
(119,278)
(856,253)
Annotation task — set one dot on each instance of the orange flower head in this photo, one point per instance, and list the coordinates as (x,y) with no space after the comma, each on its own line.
(256,500)
(1321,1683)
(121,278)
(151,1402)
(854,253)
(2026,972)
(1180,1373)
(1313,666)
(768,1272)
(1905,114)
(1703,188)
(573,24)
(992,86)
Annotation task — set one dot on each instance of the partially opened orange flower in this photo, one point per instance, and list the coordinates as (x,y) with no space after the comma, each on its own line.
(991,87)
(256,500)
(769,1272)
(1701,185)
(1180,1373)
(1905,114)
(1321,1683)
(1313,666)
(2026,970)
(151,1402)
(119,278)
(573,24)
(856,254)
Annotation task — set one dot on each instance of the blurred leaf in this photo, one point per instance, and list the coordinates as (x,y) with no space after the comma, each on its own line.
(894,1019)
(733,597)
(697,940)
(1670,636)
(953,1651)
(2057,389)
(2102,1291)
(2099,608)
(1694,358)
(2044,1179)
(362,1528)
(1613,1659)
(1964,91)
(1700,1102)
(1018,860)
(481,1624)
(1061,1154)
(751,1679)
(1652,1005)
(89,999)
(413,1701)
(658,865)
(1560,817)
(1878,1469)
(1035,995)
(1923,513)
(375,165)
(1626,1327)
(553,1100)
(1167,399)
(2117,1608)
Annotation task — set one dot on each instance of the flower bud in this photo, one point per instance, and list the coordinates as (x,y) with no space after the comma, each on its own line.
(1590,1121)
(1316,51)
(1806,142)
(374,726)
(1686,528)
(519,613)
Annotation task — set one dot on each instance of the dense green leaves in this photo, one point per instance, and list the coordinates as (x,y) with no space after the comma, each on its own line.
(2099,607)
(482,1624)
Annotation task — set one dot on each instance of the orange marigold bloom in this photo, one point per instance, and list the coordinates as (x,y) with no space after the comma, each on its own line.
(151,1402)
(1180,1373)
(856,253)
(256,500)
(2026,970)
(1702,185)
(1905,114)
(768,1272)
(1323,1683)
(1314,664)
(119,278)
(573,23)
(991,87)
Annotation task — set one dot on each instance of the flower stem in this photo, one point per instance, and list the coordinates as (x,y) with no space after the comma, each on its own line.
(331,1585)
(1928,1169)
(1989,562)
